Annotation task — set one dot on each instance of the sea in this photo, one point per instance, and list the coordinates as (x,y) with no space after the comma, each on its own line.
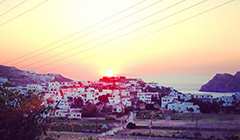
(182,83)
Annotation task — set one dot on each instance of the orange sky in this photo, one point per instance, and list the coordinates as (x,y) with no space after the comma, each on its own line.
(88,37)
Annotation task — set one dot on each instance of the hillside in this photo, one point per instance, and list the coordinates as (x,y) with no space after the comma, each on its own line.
(223,83)
(21,78)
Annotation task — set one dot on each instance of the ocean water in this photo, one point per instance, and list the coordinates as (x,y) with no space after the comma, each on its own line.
(182,83)
(194,89)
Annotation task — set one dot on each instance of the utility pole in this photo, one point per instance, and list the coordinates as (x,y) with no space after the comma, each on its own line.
(150,125)
(196,128)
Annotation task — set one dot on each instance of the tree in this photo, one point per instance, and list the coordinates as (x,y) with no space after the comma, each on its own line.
(77,103)
(106,109)
(22,116)
(70,99)
(131,125)
(191,110)
(89,110)
(103,98)
(206,107)
(150,107)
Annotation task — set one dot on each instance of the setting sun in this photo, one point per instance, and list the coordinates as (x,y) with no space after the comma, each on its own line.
(109,73)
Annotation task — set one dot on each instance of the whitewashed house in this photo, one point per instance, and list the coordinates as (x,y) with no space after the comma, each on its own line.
(61,113)
(174,106)
(147,98)
(126,101)
(37,87)
(187,96)
(174,93)
(75,113)
(186,107)
(237,95)
(125,93)
(54,86)
(106,91)
(166,100)
(203,97)
(133,82)
(117,108)
(3,80)
(152,84)
(228,100)
(114,100)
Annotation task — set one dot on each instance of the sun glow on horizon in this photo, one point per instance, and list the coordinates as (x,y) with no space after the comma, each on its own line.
(109,73)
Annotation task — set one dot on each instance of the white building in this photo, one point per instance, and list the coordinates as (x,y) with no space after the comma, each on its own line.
(186,107)
(75,113)
(144,97)
(166,100)
(152,84)
(117,108)
(203,97)
(174,106)
(3,80)
(147,96)
(106,91)
(61,113)
(114,100)
(54,86)
(187,96)
(228,100)
(174,93)
(237,95)
(37,87)
(126,101)
(125,93)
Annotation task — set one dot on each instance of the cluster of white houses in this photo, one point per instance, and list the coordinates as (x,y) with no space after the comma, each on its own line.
(60,93)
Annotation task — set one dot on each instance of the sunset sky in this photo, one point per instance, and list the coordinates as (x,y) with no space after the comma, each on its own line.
(82,39)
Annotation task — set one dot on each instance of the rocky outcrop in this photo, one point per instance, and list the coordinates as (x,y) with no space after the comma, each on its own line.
(223,83)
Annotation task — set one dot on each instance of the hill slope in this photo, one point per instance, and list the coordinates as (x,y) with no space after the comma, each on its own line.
(223,83)
(21,78)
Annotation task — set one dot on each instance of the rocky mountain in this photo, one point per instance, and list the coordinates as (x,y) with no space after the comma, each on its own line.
(21,78)
(223,83)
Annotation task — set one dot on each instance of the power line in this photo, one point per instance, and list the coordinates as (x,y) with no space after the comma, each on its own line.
(2,1)
(75,33)
(23,13)
(84,35)
(88,34)
(13,8)
(123,34)
(104,35)
(176,23)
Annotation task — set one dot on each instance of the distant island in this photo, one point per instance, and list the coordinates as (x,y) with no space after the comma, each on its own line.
(223,83)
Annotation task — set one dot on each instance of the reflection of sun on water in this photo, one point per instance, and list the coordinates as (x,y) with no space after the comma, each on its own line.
(109,73)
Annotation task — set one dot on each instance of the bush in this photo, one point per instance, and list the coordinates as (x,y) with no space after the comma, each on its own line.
(131,125)
(23,116)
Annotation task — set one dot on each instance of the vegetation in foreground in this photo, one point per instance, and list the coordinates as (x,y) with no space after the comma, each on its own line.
(23,116)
